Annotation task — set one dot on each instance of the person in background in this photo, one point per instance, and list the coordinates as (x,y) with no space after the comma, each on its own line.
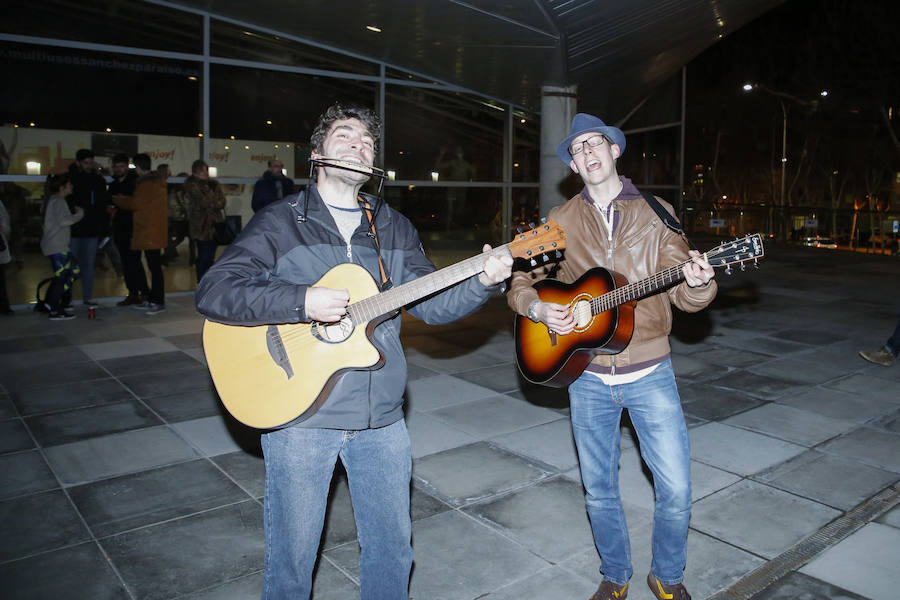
(150,235)
(267,276)
(206,206)
(885,355)
(123,183)
(58,221)
(610,224)
(272,186)
(5,257)
(179,226)
(89,194)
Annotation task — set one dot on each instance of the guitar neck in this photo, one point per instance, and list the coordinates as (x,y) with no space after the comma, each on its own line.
(368,309)
(638,289)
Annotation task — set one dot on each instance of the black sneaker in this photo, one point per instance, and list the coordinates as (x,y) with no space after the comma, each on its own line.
(61,316)
(662,591)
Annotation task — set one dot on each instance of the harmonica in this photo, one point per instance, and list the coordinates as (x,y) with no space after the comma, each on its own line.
(327,161)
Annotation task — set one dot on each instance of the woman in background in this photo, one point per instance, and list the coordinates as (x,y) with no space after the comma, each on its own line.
(58,220)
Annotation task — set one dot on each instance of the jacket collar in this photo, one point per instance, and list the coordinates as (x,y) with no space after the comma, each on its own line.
(629,192)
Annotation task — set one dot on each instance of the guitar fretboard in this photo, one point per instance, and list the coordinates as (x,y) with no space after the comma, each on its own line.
(390,300)
(638,289)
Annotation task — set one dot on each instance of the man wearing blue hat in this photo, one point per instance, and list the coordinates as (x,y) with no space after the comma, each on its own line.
(610,224)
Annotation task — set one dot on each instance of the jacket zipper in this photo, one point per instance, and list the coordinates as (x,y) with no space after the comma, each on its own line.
(609,260)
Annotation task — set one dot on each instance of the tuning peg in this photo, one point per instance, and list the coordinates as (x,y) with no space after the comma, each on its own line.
(728,270)
(543,220)
(743,267)
(545,257)
(519,229)
(558,254)
(533,263)
(531,224)
(755,263)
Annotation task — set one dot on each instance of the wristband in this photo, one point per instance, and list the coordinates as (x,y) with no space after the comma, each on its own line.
(531,313)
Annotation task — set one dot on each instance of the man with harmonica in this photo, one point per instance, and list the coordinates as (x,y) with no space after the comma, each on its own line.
(267,276)
(609,224)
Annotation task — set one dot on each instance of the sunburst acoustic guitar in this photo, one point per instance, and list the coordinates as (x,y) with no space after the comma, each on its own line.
(602,303)
(268,376)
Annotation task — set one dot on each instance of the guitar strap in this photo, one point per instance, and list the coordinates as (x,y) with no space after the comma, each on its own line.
(368,208)
(670,221)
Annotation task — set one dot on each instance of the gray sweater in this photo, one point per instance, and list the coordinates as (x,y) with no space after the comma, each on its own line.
(58,221)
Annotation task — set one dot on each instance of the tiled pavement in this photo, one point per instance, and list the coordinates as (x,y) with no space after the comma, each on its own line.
(122,478)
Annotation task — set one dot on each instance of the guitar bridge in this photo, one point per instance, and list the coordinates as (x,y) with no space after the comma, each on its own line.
(552,337)
(277,351)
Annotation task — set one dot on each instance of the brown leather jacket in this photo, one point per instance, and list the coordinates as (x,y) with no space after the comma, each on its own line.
(641,246)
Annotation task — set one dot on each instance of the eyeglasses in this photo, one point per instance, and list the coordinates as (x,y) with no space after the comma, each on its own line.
(593,142)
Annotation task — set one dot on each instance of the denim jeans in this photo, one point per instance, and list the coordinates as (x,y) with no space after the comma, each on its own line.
(85,251)
(299,466)
(893,343)
(655,410)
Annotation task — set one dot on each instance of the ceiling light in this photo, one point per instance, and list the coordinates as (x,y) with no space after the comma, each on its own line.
(373,28)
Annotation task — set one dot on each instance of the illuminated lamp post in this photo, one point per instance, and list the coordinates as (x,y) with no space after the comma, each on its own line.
(813,104)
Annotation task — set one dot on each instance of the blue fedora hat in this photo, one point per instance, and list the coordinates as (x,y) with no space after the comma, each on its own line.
(583,123)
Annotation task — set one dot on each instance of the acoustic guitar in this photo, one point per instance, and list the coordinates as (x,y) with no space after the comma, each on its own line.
(602,303)
(269,376)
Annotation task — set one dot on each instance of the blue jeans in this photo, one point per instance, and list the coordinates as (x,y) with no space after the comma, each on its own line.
(893,343)
(655,410)
(299,464)
(85,251)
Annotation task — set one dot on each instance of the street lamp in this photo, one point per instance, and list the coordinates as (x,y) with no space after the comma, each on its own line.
(780,96)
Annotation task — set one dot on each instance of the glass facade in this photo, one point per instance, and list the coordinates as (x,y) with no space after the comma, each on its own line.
(118,76)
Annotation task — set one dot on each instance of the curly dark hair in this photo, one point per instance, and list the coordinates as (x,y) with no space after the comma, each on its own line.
(337,112)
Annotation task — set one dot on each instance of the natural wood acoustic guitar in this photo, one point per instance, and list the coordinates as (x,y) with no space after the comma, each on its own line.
(602,303)
(268,376)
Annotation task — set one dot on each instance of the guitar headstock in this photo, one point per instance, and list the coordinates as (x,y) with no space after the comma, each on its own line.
(739,251)
(541,239)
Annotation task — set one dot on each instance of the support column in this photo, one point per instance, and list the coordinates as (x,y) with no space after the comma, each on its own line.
(558,107)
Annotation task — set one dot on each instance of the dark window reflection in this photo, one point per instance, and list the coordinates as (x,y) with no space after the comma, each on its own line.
(442,135)
(116,22)
(233,41)
(64,88)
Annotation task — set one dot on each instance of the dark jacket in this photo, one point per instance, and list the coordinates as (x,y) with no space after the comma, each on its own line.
(265,191)
(263,276)
(89,193)
(641,246)
(122,219)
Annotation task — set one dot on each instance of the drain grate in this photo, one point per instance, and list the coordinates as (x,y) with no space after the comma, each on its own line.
(795,557)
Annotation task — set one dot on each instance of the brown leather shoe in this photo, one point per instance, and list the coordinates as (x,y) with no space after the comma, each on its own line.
(610,591)
(129,300)
(666,592)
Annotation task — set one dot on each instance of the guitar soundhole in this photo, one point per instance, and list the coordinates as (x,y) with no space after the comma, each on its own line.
(333,333)
(581,312)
